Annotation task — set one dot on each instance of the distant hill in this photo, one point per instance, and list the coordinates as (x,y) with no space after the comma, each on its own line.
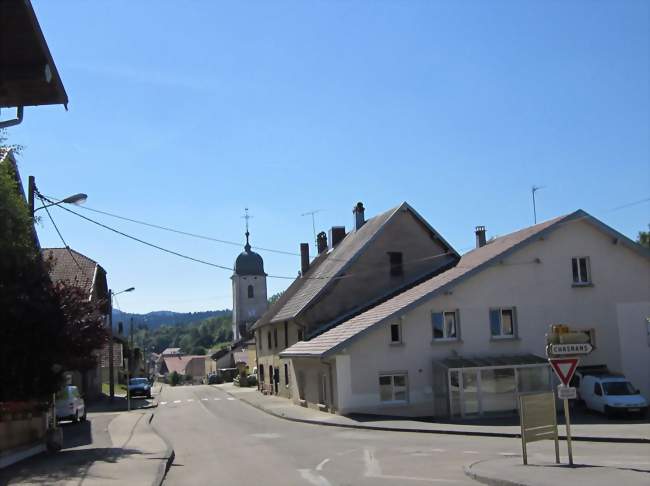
(155,319)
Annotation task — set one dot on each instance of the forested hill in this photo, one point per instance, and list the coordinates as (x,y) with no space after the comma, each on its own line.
(155,319)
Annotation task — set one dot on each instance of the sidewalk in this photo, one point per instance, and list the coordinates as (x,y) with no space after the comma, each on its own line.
(109,448)
(510,471)
(281,407)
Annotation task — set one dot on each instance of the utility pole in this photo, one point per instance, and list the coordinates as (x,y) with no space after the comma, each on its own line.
(534,189)
(313,221)
(31,189)
(111,364)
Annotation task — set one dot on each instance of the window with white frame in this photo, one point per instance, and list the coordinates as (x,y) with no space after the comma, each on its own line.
(581,271)
(445,325)
(393,387)
(395,333)
(503,323)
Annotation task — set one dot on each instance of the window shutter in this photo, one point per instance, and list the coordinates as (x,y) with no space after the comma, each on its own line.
(437,318)
(515,322)
(458,328)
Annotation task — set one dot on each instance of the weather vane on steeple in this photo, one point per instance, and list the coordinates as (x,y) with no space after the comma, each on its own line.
(246,216)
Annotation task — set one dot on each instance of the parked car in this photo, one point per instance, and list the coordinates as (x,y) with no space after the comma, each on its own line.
(611,394)
(215,379)
(140,387)
(69,405)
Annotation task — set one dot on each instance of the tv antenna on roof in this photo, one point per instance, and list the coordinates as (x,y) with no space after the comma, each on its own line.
(313,220)
(534,189)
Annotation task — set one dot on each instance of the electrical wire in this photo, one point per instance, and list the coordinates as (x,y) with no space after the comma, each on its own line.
(67,247)
(224,267)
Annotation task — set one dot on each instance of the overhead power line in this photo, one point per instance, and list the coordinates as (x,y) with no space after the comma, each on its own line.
(67,247)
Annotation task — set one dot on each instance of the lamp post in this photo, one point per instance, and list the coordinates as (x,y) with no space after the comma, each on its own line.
(33,191)
(111,365)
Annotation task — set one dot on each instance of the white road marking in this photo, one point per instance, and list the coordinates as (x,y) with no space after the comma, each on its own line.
(322,464)
(373,470)
(163,403)
(230,398)
(508,454)
(266,436)
(190,399)
(315,479)
(217,399)
(204,399)
(177,401)
(438,450)
(470,452)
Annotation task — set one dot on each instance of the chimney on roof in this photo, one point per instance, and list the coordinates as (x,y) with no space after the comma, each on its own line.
(359,217)
(304,258)
(337,233)
(321,242)
(480,236)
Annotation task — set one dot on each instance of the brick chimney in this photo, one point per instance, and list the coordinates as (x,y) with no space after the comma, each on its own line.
(337,233)
(359,216)
(480,236)
(321,242)
(304,258)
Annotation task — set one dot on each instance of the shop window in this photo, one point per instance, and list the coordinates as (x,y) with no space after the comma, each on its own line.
(503,323)
(445,325)
(393,387)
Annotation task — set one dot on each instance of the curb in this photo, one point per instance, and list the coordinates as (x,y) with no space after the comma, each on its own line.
(486,480)
(622,440)
(163,468)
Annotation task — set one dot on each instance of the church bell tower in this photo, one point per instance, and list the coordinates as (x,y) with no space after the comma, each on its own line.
(249,299)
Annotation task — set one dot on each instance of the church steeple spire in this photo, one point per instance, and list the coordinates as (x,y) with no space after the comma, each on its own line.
(247,246)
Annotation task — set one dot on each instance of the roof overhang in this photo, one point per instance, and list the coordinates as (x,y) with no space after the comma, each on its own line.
(28,75)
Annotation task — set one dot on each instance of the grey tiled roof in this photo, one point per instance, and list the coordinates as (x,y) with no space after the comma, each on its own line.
(304,291)
(470,263)
(63,268)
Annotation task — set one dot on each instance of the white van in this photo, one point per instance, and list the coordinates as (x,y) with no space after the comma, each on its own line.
(69,404)
(611,394)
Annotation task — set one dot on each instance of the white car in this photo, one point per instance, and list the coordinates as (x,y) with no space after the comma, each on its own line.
(69,404)
(611,394)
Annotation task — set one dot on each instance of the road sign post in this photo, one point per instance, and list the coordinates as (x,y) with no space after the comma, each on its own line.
(563,345)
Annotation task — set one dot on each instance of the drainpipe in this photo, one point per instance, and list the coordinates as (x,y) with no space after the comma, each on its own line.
(16,121)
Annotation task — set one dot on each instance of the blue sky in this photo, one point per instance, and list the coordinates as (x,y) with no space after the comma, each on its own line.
(184,113)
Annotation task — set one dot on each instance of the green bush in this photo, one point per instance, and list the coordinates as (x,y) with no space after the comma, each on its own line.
(174,378)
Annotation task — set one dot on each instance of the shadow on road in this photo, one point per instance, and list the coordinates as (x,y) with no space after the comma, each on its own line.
(66,465)
(118,404)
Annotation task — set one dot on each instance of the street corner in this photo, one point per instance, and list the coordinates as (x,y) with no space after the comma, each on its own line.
(510,471)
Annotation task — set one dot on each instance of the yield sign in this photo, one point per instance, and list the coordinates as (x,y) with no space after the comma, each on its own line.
(564,368)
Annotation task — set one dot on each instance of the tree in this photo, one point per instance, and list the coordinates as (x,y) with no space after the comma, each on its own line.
(30,320)
(274,298)
(174,378)
(644,238)
(83,331)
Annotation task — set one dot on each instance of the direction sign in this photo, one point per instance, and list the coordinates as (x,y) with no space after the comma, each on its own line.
(567,349)
(564,368)
(566,392)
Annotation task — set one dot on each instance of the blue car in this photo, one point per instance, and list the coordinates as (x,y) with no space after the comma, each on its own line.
(139,387)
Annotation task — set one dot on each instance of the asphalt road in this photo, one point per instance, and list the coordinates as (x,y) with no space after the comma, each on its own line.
(219,440)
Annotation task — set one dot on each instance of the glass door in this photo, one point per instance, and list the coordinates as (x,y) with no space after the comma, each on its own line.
(470,393)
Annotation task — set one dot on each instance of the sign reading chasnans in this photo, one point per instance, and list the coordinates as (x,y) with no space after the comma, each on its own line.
(581,348)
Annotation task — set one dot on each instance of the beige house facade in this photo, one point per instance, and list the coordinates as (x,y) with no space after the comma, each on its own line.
(355,270)
(466,342)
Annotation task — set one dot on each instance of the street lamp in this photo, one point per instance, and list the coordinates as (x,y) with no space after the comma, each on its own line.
(111,376)
(32,191)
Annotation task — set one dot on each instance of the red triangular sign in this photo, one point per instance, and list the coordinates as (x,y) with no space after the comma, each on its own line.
(564,368)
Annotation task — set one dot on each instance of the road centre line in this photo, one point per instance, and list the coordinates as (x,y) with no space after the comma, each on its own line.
(177,401)
(163,403)
(230,398)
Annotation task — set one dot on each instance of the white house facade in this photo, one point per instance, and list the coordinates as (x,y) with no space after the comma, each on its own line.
(465,343)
